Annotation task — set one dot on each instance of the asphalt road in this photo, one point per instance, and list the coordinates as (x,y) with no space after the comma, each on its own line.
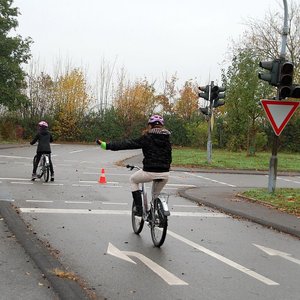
(206,255)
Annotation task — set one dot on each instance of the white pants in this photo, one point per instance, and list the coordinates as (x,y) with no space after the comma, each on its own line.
(143,176)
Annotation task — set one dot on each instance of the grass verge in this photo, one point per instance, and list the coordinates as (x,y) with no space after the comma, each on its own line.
(284,199)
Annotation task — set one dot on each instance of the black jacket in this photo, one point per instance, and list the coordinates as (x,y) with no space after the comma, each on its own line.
(44,138)
(156,147)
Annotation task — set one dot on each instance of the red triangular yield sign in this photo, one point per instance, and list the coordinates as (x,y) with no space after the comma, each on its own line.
(279,113)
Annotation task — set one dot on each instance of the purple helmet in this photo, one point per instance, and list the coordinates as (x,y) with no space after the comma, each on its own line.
(155,120)
(43,124)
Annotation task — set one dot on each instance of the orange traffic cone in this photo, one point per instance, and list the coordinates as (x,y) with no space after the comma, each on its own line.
(102,178)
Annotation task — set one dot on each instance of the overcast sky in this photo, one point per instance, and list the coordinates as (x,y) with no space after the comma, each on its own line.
(149,38)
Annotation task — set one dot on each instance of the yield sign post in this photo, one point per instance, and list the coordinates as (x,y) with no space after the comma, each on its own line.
(279,113)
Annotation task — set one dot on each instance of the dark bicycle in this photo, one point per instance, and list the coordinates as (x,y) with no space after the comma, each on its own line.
(156,214)
(43,169)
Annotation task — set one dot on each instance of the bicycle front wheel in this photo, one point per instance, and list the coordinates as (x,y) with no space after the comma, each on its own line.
(46,173)
(137,221)
(159,223)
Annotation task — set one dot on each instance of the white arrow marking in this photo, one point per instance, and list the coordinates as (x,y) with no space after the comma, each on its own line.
(273,252)
(225,260)
(112,250)
(168,277)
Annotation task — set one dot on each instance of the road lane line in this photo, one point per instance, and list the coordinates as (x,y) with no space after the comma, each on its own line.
(223,259)
(12,178)
(209,179)
(114,203)
(39,201)
(75,151)
(111,212)
(288,180)
(15,182)
(78,202)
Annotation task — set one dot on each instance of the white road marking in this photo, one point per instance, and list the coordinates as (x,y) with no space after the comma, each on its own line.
(288,180)
(78,202)
(74,211)
(167,276)
(274,252)
(113,203)
(209,179)
(112,212)
(17,182)
(76,151)
(12,178)
(189,206)
(8,200)
(223,259)
(17,157)
(74,184)
(39,201)
(53,184)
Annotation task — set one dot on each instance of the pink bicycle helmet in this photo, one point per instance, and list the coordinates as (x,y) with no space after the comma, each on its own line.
(155,120)
(43,124)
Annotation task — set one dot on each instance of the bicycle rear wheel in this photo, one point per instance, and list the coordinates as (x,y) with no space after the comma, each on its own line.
(159,223)
(137,221)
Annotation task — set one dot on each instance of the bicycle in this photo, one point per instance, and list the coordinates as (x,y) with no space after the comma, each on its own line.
(156,216)
(43,169)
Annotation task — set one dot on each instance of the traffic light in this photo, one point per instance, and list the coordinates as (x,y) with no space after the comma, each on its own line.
(218,92)
(285,80)
(205,92)
(204,110)
(273,68)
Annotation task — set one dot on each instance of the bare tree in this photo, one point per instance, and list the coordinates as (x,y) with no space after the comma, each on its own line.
(264,36)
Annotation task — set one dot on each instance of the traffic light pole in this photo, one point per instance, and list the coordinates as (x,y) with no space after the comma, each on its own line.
(273,159)
(209,143)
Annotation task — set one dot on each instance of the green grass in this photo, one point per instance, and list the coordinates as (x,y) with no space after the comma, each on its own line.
(234,160)
(284,199)
(287,200)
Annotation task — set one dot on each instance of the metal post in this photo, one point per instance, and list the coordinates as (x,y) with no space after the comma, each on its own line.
(209,143)
(273,159)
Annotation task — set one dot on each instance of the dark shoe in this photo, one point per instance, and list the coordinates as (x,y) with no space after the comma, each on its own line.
(52,177)
(137,199)
(34,176)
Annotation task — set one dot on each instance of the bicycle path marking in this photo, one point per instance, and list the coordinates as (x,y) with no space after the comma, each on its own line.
(223,259)
(273,252)
(167,276)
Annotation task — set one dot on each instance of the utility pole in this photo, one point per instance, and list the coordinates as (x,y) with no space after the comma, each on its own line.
(274,159)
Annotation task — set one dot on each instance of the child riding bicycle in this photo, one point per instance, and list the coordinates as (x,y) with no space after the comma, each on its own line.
(157,150)
(44,138)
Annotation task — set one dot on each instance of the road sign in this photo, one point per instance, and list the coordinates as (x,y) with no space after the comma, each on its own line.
(279,113)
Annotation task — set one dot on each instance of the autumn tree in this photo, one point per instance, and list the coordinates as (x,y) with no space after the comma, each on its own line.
(187,104)
(71,101)
(14,50)
(134,103)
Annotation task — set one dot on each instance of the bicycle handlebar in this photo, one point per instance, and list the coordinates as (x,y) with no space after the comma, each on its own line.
(131,167)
